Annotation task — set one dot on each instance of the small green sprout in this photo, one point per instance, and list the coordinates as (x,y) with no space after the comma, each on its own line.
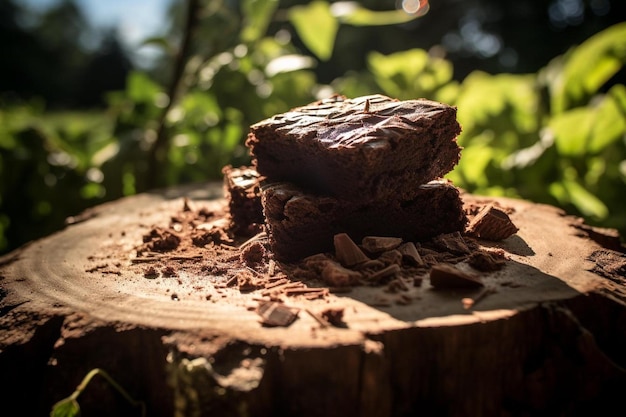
(68,407)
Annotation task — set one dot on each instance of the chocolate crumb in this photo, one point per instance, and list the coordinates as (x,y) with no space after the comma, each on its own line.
(151,273)
(160,240)
(169,271)
(485,261)
(334,315)
(253,254)
(453,243)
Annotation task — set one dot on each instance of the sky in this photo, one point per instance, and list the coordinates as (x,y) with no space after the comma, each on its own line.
(136,20)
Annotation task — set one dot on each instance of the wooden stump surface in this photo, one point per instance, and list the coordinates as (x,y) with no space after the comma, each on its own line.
(547,338)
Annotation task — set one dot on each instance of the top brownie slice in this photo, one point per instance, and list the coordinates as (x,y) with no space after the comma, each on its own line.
(366,148)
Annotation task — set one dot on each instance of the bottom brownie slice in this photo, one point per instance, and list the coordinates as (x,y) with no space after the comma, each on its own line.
(300,224)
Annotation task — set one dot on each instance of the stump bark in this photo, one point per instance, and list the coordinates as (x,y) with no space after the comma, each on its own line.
(545,335)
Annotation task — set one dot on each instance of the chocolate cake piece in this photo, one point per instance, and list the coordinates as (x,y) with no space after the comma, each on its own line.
(300,223)
(367,148)
(242,189)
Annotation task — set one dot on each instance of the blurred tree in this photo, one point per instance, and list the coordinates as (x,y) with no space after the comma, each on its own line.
(58,31)
(23,56)
(106,70)
(46,55)
(489,35)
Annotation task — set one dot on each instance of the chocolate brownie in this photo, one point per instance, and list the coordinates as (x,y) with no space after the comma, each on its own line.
(300,224)
(368,148)
(242,189)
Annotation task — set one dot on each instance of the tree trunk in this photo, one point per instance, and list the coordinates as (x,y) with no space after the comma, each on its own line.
(544,335)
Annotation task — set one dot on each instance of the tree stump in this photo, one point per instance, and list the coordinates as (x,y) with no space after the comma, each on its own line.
(544,335)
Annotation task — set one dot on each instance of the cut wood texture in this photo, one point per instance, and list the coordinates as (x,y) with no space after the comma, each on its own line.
(222,330)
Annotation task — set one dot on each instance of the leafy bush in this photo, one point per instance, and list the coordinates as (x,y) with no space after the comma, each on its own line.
(556,136)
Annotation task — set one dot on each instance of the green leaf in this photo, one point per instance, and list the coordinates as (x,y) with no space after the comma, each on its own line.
(316,26)
(474,163)
(571,131)
(618,93)
(141,88)
(609,125)
(590,66)
(257,16)
(92,190)
(587,203)
(498,102)
(586,130)
(159,42)
(67,407)
(409,74)
(559,192)
(353,14)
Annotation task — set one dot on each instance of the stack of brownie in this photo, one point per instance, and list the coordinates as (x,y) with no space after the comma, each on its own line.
(369,166)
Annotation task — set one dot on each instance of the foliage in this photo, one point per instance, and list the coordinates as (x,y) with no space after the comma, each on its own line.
(555,136)
(68,407)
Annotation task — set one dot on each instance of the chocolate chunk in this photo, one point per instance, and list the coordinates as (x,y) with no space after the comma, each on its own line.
(336,275)
(347,252)
(410,255)
(448,276)
(491,223)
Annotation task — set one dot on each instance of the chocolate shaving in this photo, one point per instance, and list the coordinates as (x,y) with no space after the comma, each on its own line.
(379,276)
(321,320)
(276,314)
